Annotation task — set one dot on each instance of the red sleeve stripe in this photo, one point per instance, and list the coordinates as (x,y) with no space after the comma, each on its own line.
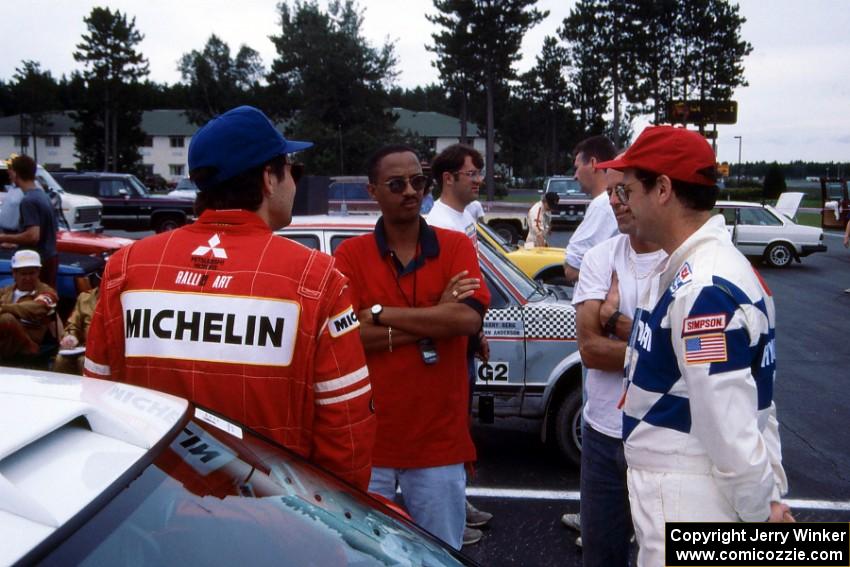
(342,381)
(95,368)
(344,397)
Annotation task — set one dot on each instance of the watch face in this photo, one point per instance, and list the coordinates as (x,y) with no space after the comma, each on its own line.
(376,309)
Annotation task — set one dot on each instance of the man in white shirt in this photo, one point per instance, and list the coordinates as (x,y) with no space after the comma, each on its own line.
(614,274)
(599,223)
(457,173)
(476,210)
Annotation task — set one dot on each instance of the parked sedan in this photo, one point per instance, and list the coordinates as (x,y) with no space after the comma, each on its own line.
(768,233)
(102,473)
(534,369)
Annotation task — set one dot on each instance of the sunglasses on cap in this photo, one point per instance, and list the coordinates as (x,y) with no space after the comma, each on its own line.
(419,183)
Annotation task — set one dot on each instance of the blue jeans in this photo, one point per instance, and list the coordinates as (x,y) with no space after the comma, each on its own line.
(606,523)
(435,497)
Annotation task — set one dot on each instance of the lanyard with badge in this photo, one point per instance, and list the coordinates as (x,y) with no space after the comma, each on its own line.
(427,348)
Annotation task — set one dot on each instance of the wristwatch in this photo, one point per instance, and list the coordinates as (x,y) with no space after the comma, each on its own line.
(611,324)
(376,310)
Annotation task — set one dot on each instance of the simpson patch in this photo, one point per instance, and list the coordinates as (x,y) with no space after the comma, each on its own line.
(704,324)
(343,323)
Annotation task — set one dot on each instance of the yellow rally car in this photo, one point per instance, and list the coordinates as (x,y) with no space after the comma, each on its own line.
(543,264)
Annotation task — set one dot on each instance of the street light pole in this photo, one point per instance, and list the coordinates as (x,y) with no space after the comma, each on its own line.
(739,160)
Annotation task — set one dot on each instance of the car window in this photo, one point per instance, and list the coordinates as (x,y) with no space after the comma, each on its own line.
(111,187)
(308,240)
(528,288)
(728,215)
(833,192)
(339,239)
(81,186)
(563,187)
(498,300)
(758,217)
(212,497)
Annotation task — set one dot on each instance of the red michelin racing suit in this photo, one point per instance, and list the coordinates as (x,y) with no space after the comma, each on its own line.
(248,324)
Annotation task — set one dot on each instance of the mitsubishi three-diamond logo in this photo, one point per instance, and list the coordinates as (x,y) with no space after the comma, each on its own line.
(213,247)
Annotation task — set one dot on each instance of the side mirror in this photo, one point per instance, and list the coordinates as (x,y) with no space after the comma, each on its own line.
(124,193)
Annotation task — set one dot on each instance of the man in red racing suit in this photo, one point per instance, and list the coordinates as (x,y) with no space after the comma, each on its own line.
(239,320)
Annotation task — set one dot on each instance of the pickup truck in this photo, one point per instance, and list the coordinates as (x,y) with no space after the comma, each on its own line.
(79,213)
(127,203)
(573,201)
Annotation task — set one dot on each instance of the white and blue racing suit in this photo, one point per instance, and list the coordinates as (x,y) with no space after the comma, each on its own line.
(699,424)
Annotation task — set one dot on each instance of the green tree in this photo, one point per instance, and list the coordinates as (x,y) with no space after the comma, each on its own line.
(486,36)
(455,48)
(218,82)
(337,81)
(774,181)
(589,93)
(109,134)
(35,93)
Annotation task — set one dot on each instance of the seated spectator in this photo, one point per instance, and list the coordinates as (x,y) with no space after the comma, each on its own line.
(72,346)
(27,307)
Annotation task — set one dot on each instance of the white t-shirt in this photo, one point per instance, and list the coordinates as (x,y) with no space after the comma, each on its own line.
(475,210)
(444,216)
(603,389)
(599,224)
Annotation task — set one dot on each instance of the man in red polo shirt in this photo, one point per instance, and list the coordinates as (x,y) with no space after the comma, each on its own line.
(418,296)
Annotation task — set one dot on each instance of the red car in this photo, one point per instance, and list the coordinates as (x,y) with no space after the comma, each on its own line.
(90,243)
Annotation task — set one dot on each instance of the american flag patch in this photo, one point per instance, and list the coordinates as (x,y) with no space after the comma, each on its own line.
(705,348)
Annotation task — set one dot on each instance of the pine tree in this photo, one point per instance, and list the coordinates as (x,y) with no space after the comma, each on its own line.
(327,71)
(35,93)
(217,82)
(109,133)
(487,35)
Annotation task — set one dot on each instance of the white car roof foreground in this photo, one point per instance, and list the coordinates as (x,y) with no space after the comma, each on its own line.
(353,220)
(66,439)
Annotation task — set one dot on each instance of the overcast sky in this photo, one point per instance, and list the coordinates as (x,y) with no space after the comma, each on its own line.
(797,104)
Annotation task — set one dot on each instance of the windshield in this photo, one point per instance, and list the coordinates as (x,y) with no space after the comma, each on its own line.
(137,185)
(564,186)
(528,288)
(501,244)
(216,497)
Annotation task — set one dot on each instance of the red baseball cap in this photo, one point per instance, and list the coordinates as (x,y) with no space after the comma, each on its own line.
(678,153)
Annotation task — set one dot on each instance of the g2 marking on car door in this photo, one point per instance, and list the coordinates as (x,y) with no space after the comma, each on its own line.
(492,371)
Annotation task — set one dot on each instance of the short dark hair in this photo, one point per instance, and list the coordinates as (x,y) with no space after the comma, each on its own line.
(552,199)
(374,160)
(24,167)
(451,160)
(599,147)
(242,191)
(693,195)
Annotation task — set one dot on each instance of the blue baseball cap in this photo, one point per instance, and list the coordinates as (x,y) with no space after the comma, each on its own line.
(236,141)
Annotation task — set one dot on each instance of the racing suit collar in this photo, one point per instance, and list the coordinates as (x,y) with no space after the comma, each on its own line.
(713,229)
(235,217)
(428,245)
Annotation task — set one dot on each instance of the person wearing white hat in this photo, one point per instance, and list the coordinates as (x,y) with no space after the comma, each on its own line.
(26,307)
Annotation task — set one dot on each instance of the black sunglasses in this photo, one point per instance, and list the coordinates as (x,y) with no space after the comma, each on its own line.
(419,183)
(296,170)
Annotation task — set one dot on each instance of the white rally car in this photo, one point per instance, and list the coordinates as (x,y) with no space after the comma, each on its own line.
(534,369)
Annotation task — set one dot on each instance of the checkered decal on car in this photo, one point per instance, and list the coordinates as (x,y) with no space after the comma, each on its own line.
(550,321)
(543,321)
